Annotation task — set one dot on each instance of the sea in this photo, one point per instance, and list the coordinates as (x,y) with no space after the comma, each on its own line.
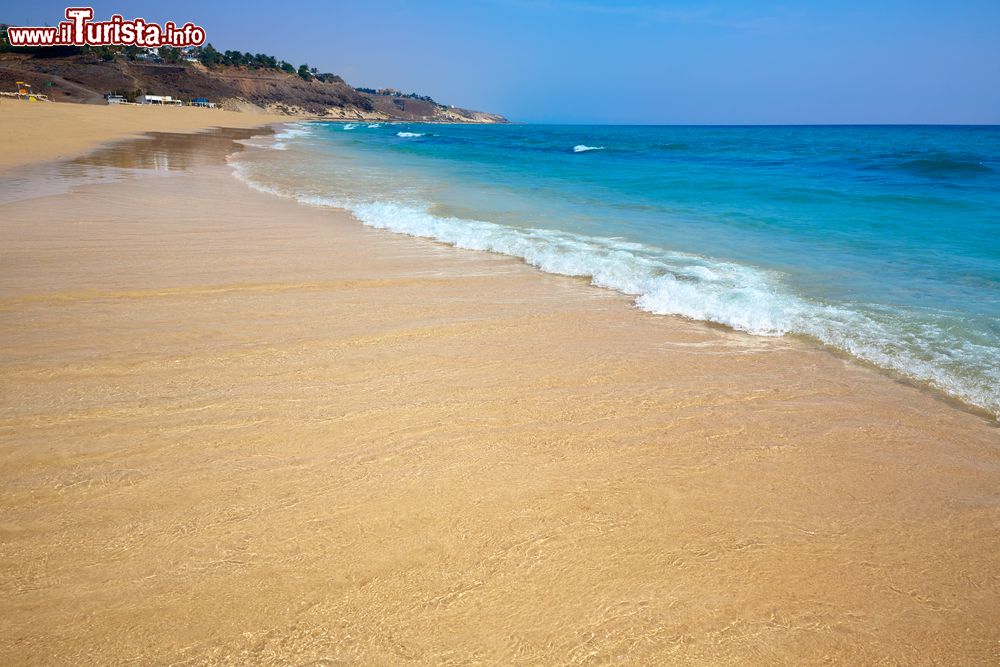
(882,242)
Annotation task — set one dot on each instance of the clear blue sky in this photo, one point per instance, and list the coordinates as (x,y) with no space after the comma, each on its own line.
(627,62)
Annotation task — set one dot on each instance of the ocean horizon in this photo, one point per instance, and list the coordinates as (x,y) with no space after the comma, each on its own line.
(875,240)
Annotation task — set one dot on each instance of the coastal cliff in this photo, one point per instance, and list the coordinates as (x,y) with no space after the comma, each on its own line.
(87,77)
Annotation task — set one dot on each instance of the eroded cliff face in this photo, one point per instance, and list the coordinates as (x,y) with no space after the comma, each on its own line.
(86,79)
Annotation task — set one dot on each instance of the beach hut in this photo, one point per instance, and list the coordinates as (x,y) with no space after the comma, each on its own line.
(163,100)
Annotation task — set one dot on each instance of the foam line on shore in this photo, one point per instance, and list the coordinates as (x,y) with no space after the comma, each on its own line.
(664,282)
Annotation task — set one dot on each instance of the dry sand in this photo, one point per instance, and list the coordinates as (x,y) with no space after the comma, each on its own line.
(237,430)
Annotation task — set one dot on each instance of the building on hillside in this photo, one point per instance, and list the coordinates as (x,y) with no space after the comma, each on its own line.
(149,54)
(163,100)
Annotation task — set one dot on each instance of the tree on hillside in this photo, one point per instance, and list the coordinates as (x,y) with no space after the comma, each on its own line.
(208,56)
(266,61)
(169,54)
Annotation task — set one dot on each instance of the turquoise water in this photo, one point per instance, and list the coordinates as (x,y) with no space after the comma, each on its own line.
(883,242)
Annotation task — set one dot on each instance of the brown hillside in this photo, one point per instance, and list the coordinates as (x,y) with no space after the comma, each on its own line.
(86,79)
(422,110)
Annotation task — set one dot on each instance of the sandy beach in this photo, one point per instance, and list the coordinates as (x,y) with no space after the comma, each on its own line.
(238,430)
(37,132)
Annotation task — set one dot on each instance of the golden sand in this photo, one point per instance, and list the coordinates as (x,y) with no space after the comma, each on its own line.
(236,430)
(36,131)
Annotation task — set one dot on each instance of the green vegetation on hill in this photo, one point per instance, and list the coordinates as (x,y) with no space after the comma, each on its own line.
(87,74)
(207,55)
(210,57)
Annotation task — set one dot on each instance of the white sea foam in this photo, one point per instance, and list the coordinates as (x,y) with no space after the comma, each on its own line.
(350,126)
(291,131)
(374,125)
(580,148)
(672,283)
(409,134)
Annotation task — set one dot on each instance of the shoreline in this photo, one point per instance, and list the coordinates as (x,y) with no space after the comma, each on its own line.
(953,399)
(45,126)
(243,429)
(124,140)
(52,131)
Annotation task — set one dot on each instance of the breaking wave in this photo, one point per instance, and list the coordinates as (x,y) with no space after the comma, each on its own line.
(409,134)
(580,148)
(292,131)
(665,282)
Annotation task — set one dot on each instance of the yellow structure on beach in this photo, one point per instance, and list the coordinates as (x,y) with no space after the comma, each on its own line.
(24,93)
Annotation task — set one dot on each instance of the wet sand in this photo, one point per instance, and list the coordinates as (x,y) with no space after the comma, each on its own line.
(236,430)
(32,132)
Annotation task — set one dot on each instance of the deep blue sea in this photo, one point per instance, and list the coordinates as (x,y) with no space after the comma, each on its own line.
(883,242)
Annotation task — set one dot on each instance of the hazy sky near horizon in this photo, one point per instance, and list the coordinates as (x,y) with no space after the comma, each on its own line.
(578,61)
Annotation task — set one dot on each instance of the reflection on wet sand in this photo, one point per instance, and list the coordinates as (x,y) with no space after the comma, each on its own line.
(160,152)
(164,151)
